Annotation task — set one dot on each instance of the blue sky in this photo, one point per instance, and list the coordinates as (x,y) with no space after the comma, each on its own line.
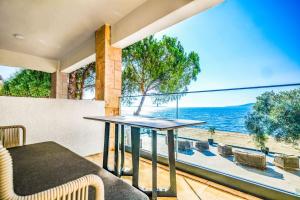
(244,43)
(6,72)
(240,43)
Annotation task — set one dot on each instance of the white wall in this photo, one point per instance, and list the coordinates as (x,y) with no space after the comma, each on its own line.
(58,120)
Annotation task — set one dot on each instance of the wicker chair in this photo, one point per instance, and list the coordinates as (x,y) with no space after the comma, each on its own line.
(10,136)
(286,161)
(77,189)
(256,160)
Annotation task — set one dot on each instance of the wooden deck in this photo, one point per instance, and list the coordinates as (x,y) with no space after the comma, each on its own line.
(189,187)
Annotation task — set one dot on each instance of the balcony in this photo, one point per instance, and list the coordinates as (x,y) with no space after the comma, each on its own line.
(52,160)
(200,174)
(68,128)
(226,111)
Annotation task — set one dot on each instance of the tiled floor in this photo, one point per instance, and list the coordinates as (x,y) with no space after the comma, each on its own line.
(188,187)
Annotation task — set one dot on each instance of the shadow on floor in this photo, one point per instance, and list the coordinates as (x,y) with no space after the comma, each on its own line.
(188,152)
(213,145)
(295,171)
(230,158)
(208,153)
(270,155)
(267,172)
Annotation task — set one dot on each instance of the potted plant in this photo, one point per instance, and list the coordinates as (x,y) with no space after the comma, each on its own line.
(265,150)
(211,131)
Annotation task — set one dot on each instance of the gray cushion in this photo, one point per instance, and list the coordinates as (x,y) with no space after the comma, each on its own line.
(41,166)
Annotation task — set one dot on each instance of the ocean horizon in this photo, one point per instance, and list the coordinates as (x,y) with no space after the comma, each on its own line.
(227,118)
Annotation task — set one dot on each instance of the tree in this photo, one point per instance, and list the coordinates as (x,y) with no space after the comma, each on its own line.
(81,80)
(160,66)
(276,114)
(28,83)
(257,125)
(150,65)
(1,83)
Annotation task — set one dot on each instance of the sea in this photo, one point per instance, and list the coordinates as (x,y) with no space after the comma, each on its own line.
(229,118)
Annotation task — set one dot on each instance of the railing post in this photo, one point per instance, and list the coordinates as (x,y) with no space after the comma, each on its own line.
(176,131)
(177,106)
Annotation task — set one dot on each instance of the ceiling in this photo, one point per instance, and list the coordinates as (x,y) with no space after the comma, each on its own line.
(52,28)
(58,35)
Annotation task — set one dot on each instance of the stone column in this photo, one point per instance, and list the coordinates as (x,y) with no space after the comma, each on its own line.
(108,71)
(59,85)
(108,75)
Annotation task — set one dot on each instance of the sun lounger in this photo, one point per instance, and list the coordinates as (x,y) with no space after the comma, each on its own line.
(286,161)
(184,145)
(224,150)
(202,145)
(252,159)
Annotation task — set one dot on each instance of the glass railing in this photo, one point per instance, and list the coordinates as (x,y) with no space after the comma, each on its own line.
(225,111)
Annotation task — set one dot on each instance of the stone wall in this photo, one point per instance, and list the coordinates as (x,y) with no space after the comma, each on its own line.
(108,71)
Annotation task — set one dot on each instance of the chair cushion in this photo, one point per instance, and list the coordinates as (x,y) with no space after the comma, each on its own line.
(38,167)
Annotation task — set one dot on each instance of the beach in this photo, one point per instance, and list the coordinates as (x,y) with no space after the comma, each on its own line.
(238,139)
(229,123)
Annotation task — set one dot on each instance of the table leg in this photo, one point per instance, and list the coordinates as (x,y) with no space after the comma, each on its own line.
(172,166)
(135,143)
(116,163)
(154,165)
(106,145)
(172,191)
(122,148)
(124,172)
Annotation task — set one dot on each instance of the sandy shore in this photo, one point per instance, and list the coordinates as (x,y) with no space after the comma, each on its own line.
(238,139)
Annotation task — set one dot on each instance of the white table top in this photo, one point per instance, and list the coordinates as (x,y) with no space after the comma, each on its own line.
(147,122)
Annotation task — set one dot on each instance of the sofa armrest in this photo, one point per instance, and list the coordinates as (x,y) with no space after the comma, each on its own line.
(78,187)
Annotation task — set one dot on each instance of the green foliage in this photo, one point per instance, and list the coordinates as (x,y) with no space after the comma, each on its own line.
(260,140)
(257,124)
(160,66)
(1,84)
(276,114)
(28,83)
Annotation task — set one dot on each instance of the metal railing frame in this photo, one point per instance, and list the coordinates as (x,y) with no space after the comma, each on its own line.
(208,91)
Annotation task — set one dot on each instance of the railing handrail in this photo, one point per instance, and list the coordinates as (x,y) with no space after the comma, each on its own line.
(217,90)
